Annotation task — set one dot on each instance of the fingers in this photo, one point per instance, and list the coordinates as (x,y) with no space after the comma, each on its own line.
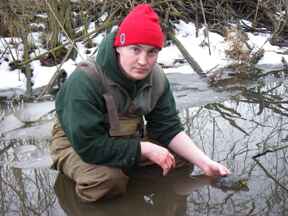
(224,171)
(168,163)
(216,169)
(158,155)
(221,170)
(173,161)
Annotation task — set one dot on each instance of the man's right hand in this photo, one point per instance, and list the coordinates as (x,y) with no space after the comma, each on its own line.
(158,155)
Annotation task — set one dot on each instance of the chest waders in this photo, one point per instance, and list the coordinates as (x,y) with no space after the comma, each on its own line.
(126,121)
(124,117)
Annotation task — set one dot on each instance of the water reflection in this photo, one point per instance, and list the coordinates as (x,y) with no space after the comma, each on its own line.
(234,132)
(253,124)
(147,195)
(27,192)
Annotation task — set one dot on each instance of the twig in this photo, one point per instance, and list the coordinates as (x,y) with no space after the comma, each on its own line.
(56,74)
(269,175)
(3,53)
(105,25)
(269,151)
(63,29)
(11,53)
(3,150)
(270,72)
(195,66)
(213,138)
(256,14)
(206,31)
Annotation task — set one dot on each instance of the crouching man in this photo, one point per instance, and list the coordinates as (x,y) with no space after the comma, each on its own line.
(101,108)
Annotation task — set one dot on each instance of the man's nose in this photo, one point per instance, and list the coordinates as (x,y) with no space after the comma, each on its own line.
(142,59)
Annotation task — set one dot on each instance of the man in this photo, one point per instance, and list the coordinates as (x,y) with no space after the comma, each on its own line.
(97,139)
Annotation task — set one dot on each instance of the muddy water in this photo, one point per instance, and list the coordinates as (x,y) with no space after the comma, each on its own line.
(248,132)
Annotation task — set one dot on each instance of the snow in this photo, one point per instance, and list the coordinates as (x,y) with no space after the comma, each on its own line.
(185,33)
(42,75)
(11,79)
(272,58)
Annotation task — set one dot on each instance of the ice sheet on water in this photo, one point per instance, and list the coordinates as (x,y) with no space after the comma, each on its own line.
(29,157)
(31,112)
(9,123)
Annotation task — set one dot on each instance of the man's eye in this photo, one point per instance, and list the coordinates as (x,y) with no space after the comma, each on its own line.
(135,49)
(153,52)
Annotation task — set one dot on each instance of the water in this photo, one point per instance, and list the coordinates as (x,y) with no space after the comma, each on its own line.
(231,127)
(29,156)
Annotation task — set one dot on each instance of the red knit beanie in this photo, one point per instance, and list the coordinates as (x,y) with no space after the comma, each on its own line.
(140,26)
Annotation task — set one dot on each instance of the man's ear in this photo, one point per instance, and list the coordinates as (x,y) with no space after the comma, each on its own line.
(117,49)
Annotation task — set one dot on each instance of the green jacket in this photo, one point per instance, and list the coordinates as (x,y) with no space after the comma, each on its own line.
(81,110)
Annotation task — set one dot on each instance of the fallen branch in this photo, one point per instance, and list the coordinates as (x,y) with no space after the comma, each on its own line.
(56,75)
(104,26)
(195,66)
(4,52)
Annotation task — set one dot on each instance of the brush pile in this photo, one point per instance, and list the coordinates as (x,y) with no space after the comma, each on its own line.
(268,15)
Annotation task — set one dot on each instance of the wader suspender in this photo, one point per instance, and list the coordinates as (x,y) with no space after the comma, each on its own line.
(95,71)
(121,125)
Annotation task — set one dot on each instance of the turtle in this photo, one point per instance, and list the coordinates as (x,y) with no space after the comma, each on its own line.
(231,182)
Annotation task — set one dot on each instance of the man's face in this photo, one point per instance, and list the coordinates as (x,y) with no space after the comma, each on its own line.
(137,61)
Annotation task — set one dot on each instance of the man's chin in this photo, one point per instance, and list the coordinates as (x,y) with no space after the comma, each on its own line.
(140,76)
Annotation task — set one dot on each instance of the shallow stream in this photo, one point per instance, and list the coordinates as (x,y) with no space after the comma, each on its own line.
(247,130)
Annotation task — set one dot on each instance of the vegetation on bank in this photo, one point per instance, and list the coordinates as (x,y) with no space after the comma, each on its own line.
(69,19)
